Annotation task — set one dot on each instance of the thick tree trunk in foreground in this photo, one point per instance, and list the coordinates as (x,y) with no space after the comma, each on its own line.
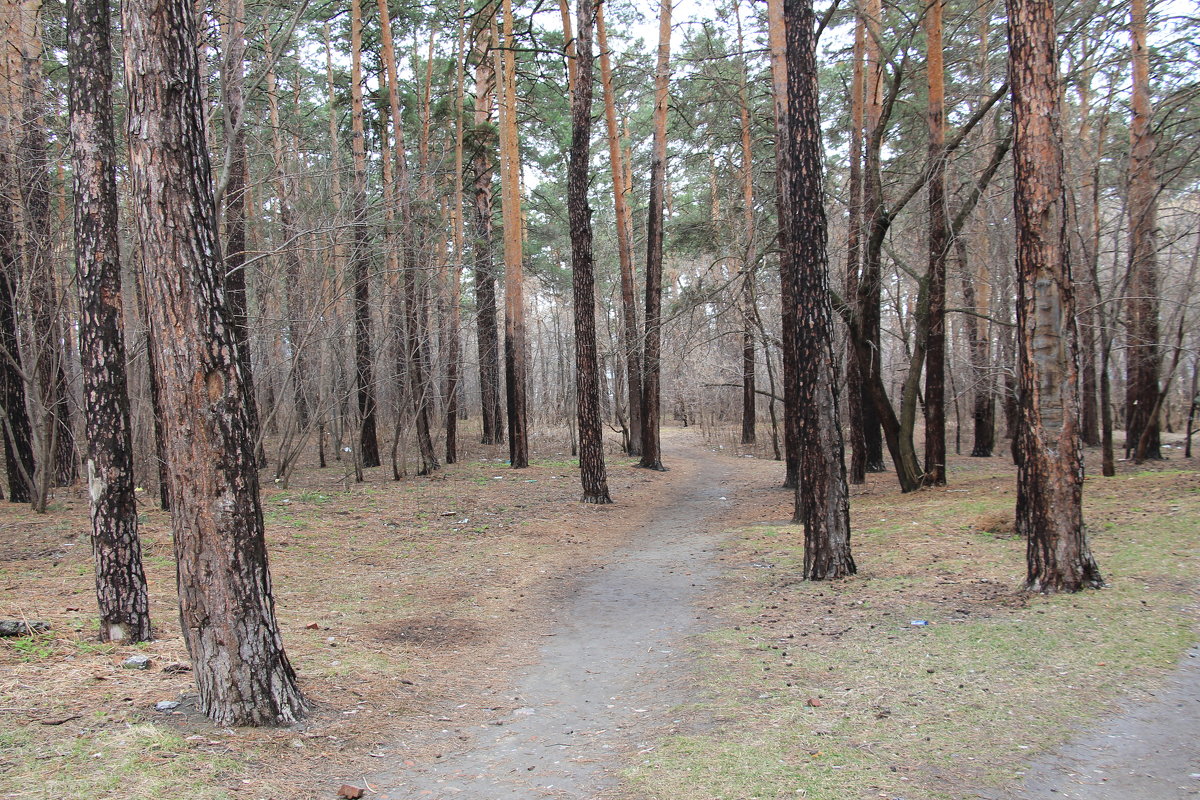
(515,367)
(630,338)
(822,497)
(652,349)
(227,612)
(1050,472)
(120,583)
(592,471)
(1142,360)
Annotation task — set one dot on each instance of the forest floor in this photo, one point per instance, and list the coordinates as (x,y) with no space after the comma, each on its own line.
(480,634)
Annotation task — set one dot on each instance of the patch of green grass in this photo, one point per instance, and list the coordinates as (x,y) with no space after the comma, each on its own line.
(136,761)
(827,690)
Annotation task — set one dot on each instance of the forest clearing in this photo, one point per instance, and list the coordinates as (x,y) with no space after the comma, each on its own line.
(411,609)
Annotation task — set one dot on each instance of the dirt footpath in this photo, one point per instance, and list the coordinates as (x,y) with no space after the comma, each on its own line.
(611,670)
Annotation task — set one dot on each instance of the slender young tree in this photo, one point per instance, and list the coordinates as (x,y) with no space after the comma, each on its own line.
(1050,471)
(748,311)
(854,394)
(1143,357)
(454,289)
(364,373)
(652,369)
(787,271)
(227,612)
(592,471)
(515,367)
(120,583)
(630,336)
(822,497)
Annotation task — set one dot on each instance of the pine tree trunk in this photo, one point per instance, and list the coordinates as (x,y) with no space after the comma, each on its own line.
(226,607)
(120,582)
(822,497)
(487,334)
(875,221)
(1143,357)
(787,270)
(630,336)
(1050,472)
(234,196)
(515,364)
(749,396)
(854,392)
(592,471)
(364,371)
(453,343)
(939,240)
(652,370)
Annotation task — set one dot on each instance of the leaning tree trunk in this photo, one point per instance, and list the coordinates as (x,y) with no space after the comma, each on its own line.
(1142,361)
(822,497)
(1050,472)
(592,471)
(120,582)
(227,612)
(652,348)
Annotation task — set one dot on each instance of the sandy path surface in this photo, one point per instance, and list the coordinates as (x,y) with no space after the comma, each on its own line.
(611,671)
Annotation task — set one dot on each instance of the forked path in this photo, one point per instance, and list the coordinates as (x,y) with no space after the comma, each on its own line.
(609,676)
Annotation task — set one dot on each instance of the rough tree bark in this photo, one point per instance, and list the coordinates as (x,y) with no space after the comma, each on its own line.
(652,370)
(120,582)
(822,497)
(592,471)
(487,334)
(227,612)
(1050,471)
